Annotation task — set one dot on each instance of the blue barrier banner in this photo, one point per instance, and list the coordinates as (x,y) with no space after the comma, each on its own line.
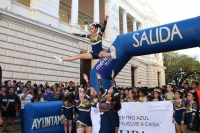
(174,36)
(43,117)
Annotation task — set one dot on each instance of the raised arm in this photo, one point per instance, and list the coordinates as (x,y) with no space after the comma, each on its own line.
(102,91)
(75,85)
(113,79)
(104,26)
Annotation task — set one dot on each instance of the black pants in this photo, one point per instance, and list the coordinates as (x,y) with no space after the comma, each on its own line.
(22,119)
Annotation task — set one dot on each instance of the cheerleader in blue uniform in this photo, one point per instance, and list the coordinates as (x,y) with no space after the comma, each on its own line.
(156,95)
(192,119)
(109,115)
(169,95)
(96,42)
(68,110)
(179,112)
(84,122)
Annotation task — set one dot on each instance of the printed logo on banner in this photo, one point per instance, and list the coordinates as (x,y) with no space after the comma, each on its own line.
(104,65)
(45,122)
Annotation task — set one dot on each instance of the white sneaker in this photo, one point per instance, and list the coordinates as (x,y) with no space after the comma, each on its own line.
(59,59)
(113,52)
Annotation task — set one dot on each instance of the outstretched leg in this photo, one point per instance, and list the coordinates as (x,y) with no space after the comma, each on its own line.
(108,55)
(79,56)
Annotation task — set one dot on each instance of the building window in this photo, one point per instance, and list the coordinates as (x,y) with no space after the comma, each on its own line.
(65,16)
(25,2)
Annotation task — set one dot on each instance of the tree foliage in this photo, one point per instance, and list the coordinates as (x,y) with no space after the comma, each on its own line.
(181,68)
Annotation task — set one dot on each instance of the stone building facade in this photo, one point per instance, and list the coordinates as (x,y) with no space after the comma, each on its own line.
(32,32)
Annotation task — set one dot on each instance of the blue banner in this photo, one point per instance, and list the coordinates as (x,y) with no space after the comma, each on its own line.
(43,117)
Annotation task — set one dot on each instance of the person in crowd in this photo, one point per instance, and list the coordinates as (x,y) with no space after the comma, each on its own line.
(14,103)
(179,112)
(68,111)
(66,84)
(143,95)
(35,89)
(162,94)
(46,84)
(186,87)
(25,98)
(8,85)
(83,103)
(57,96)
(19,88)
(132,97)
(156,95)
(71,86)
(109,108)
(28,85)
(150,93)
(194,86)
(126,93)
(14,83)
(38,97)
(41,88)
(48,96)
(96,41)
(104,99)
(192,119)
(164,87)
(122,97)
(136,91)
(4,105)
(169,95)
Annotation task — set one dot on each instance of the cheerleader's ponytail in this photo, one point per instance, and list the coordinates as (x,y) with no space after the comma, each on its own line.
(96,25)
(117,104)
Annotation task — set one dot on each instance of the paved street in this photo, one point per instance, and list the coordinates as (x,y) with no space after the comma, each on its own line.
(17,122)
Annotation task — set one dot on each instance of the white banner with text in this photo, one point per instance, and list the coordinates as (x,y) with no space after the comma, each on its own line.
(136,117)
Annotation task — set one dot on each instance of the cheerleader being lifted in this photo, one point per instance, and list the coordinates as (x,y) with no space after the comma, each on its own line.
(96,42)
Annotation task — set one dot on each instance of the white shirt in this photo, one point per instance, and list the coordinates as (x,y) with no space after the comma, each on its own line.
(26,100)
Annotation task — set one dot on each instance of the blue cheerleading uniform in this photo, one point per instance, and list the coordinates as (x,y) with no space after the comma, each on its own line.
(96,41)
(84,118)
(104,92)
(192,112)
(68,110)
(107,121)
(179,111)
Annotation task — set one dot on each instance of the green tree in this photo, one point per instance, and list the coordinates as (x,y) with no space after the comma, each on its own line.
(180,68)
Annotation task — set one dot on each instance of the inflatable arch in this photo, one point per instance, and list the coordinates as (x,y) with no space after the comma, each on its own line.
(174,36)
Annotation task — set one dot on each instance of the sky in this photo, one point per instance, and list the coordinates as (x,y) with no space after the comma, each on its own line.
(176,10)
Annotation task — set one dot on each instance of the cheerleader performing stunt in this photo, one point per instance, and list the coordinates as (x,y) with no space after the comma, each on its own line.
(96,41)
